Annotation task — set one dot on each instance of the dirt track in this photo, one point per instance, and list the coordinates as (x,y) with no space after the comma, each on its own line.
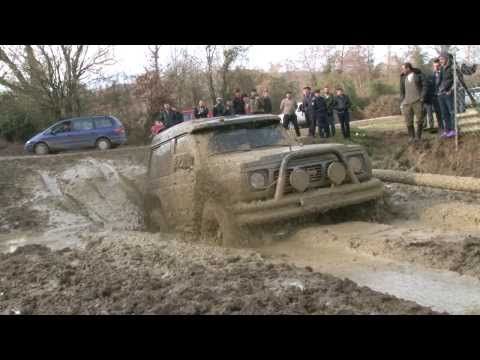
(93,205)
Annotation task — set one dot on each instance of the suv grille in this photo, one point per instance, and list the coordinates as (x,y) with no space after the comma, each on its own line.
(317,175)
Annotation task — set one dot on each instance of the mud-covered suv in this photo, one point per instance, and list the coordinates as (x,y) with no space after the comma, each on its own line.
(210,177)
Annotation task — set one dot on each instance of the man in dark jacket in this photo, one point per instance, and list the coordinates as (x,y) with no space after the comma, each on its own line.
(168,116)
(319,109)
(413,91)
(267,102)
(229,109)
(219,108)
(342,107)
(431,101)
(445,95)
(307,105)
(238,103)
(178,116)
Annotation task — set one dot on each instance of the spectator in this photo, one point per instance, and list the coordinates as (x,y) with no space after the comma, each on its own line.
(329,101)
(307,104)
(229,110)
(178,116)
(201,111)
(267,102)
(168,116)
(431,102)
(445,95)
(256,103)
(319,116)
(413,91)
(238,103)
(341,107)
(219,108)
(157,127)
(247,106)
(287,108)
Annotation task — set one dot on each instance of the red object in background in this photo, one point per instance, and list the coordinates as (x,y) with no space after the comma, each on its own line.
(187,114)
(157,128)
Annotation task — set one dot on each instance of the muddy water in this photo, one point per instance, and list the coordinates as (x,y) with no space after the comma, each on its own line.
(441,290)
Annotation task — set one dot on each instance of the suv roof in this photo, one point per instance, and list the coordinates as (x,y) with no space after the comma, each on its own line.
(196,125)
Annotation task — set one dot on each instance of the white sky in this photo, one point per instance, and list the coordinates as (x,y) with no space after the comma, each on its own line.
(131,59)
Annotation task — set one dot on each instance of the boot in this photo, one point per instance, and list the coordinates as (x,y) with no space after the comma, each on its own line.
(411,134)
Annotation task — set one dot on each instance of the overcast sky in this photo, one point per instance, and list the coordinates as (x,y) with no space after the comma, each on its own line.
(131,59)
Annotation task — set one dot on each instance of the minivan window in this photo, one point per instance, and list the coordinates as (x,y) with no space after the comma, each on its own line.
(103,122)
(82,124)
(61,128)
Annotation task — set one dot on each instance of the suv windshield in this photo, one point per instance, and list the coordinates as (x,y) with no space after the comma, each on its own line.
(247,137)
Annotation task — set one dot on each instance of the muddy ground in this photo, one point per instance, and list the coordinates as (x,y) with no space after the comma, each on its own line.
(72,234)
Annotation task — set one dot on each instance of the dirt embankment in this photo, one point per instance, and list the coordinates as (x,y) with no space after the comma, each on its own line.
(390,151)
(138,273)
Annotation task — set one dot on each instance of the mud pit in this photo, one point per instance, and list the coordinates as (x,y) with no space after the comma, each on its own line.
(419,246)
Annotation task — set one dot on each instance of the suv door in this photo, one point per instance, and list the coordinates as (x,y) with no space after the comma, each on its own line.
(183,180)
(83,133)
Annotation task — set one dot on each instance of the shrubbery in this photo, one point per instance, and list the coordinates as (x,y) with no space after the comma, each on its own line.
(385,105)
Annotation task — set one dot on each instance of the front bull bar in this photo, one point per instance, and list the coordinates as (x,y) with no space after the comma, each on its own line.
(282,176)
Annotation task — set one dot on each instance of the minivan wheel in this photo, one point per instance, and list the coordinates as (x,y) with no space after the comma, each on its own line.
(41,149)
(219,227)
(103,144)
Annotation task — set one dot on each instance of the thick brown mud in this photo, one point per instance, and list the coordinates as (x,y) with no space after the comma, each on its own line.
(420,247)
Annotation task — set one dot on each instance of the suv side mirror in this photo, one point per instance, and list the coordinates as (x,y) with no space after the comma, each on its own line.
(183,161)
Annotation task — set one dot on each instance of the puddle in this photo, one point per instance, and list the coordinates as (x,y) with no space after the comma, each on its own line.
(439,289)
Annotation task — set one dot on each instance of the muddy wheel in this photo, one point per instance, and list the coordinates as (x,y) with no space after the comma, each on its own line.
(41,149)
(103,144)
(218,227)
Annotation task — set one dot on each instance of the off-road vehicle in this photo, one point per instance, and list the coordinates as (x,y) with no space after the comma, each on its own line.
(211,177)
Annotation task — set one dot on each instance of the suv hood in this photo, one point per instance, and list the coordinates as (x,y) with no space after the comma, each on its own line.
(270,155)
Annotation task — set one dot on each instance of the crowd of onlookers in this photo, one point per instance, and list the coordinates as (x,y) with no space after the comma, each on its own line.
(425,96)
(319,110)
(422,97)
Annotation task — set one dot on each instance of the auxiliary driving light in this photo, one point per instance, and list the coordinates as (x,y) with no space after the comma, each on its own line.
(336,172)
(299,179)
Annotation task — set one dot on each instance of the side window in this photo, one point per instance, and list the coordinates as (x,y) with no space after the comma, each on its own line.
(161,163)
(82,124)
(103,122)
(181,145)
(62,127)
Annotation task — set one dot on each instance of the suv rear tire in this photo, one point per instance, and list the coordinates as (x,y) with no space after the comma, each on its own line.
(41,149)
(103,144)
(219,227)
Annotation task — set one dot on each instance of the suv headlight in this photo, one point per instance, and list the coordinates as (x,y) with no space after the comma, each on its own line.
(258,180)
(356,163)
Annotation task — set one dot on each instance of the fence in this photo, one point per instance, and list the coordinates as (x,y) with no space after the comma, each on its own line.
(466,96)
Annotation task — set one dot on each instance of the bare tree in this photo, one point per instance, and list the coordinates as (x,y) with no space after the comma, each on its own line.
(210,52)
(154,58)
(52,76)
(230,55)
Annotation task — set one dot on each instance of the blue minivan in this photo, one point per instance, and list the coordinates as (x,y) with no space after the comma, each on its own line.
(103,132)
